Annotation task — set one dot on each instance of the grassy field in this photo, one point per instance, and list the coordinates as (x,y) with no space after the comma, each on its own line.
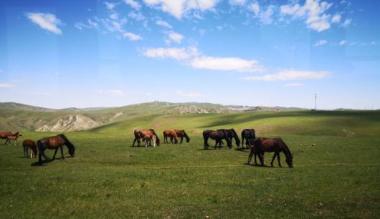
(335,175)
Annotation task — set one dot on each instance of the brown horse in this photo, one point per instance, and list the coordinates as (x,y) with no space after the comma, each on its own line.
(220,135)
(246,136)
(173,134)
(261,145)
(53,143)
(12,136)
(28,144)
(146,135)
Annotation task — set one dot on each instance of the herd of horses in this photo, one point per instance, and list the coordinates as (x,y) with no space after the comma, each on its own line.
(257,145)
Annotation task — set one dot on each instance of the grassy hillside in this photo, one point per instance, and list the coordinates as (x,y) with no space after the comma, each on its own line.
(335,174)
(14,116)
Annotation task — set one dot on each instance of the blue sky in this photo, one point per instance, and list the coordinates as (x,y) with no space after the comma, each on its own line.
(248,52)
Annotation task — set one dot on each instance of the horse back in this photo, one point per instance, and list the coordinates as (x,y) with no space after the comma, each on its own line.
(5,134)
(28,143)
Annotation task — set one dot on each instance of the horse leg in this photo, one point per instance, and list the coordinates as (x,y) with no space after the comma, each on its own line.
(250,156)
(25,151)
(55,153)
(278,159)
(261,157)
(40,157)
(274,156)
(205,144)
(216,143)
(63,157)
(181,140)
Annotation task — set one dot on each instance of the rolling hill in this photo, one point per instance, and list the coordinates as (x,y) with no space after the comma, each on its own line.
(16,116)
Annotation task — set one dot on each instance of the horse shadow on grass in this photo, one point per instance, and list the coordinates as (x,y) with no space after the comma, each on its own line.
(43,163)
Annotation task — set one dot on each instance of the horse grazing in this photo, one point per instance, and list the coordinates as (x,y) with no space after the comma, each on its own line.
(219,135)
(173,134)
(146,135)
(54,142)
(247,135)
(28,144)
(261,145)
(13,138)
(9,136)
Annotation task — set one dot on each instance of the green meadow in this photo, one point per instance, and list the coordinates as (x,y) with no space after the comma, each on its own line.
(335,175)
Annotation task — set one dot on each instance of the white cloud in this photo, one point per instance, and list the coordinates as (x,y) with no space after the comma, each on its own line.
(163,24)
(225,64)
(336,18)
(46,21)
(132,36)
(266,16)
(290,75)
(342,42)
(321,43)
(174,37)
(6,85)
(313,12)
(109,5)
(189,94)
(136,16)
(178,8)
(237,2)
(193,58)
(133,4)
(347,23)
(255,8)
(173,53)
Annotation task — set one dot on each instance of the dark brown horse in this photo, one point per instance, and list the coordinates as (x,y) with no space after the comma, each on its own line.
(29,146)
(54,143)
(174,134)
(146,135)
(246,136)
(220,135)
(261,145)
(9,136)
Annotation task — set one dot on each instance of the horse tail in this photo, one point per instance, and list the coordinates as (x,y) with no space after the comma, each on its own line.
(186,136)
(206,135)
(69,144)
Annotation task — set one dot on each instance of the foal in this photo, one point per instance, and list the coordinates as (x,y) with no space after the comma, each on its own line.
(28,144)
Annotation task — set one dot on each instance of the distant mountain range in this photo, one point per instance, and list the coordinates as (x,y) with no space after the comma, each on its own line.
(16,116)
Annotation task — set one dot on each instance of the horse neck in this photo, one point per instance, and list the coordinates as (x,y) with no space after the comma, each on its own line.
(67,142)
(235,136)
(286,150)
(186,136)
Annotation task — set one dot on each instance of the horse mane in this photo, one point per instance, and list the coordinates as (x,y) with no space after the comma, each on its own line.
(68,143)
(285,148)
(237,140)
(186,136)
